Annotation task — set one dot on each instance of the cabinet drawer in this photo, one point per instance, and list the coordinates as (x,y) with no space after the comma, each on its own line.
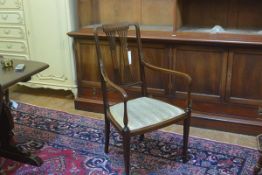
(12,32)
(11,56)
(11,18)
(10,4)
(13,46)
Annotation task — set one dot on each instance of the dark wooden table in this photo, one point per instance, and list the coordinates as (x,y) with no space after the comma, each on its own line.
(9,77)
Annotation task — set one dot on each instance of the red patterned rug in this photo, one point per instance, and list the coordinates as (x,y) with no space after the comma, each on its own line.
(73,145)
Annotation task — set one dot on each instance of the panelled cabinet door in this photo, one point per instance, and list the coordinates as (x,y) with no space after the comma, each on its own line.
(207,67)
(87,67)
(244,81)
(47,23)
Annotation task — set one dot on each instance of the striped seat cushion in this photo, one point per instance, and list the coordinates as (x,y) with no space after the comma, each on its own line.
(144,112)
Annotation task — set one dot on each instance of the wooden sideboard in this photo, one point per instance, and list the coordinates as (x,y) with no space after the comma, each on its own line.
(222,54)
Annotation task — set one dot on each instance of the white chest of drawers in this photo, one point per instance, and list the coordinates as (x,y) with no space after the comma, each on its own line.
(13,39)
(36,29)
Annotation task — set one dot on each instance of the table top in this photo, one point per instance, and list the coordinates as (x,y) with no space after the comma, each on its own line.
(9,77)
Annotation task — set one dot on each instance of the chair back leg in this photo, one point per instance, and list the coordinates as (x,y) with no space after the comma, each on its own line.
(185,138)
(258,165)
(107,133)
(126,148)
(141,137)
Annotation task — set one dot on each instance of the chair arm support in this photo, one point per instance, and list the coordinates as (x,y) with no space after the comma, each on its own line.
(118,88)
(124,95)
(177,73)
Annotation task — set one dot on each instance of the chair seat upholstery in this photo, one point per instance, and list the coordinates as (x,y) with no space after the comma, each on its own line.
(144,112)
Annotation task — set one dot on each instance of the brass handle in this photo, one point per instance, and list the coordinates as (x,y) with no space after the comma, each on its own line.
(94,91)
(259,111)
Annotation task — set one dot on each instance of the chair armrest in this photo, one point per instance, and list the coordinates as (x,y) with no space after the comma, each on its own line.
(177,73)
(169,71)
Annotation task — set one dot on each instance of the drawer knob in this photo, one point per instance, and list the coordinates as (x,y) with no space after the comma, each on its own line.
(9,46)
(18,4)
(2,2)
(4,16)
(94,91)
(23,47)
(7,31)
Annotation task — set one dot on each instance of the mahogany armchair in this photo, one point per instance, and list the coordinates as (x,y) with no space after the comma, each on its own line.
(141,114)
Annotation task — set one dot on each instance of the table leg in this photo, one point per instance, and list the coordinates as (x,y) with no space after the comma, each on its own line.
(8,148)
(258,166)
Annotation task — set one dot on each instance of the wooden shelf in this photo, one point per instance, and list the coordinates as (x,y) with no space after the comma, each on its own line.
(218,29)
(186,37)
(144,12)
(233,16)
